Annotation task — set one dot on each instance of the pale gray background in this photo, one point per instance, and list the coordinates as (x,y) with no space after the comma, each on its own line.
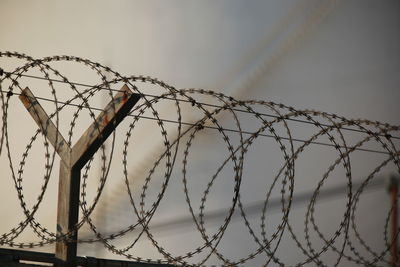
(345,61)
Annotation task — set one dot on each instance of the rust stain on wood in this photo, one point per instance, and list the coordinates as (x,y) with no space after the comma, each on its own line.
(25,100)
(125,97)
(105,119)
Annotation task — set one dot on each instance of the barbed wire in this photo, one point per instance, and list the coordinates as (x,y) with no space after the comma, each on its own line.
(174,99)
(192,116)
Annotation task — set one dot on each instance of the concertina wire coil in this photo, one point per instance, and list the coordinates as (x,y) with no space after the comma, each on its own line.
(269,115)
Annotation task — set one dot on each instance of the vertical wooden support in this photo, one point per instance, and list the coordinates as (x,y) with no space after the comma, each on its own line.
(73,159)
(67,212)
(394,190)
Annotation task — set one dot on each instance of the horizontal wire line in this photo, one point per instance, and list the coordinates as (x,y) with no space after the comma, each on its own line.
(212,127)
(188,101)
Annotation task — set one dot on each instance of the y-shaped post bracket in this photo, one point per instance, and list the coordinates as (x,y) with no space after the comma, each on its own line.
(73,159)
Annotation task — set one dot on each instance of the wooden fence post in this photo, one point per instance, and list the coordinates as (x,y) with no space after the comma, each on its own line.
(73,159)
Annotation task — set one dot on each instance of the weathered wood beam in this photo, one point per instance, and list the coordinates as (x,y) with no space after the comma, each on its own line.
(67,213)
(103,126)
(45,124)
